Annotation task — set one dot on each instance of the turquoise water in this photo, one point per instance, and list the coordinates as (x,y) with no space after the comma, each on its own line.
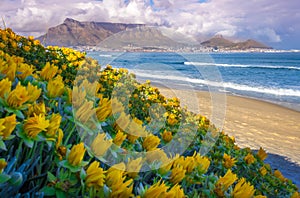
(273,77)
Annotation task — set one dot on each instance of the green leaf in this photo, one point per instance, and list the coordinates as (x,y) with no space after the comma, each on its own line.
(82,174)
(28,142)
(10,137)
(60,194)
(19,114)
(4,178)
(67,165)
(51,177)
(49,191)
(2,145)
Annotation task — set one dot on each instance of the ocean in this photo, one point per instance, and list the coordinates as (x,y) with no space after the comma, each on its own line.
(272,77)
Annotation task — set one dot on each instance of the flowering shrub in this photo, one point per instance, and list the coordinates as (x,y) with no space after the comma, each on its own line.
(46,111)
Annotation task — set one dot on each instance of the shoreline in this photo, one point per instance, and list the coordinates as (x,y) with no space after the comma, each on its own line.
(293,106)
(254,123)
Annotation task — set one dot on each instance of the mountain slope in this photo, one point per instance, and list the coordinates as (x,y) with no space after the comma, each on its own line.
(219,41)
(75,33)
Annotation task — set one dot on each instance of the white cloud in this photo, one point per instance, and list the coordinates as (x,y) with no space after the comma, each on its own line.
(267,20)
(269,34)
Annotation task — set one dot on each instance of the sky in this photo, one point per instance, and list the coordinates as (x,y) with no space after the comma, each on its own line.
(273,22)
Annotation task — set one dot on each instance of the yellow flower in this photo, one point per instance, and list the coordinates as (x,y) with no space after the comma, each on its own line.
(55,87)
(156,190)
(295,195)
(48,72)
(136,129)
(172,119)
(76,154)
(2,45)
(54,125)
(31,38)
(122,122)
(190,163)
(278,174)
(167,136)
(203,163)
(117,107)
(18,96)
(34,92)
(175,192)
(60,135)
(115,174)
(228,161)
(260,196)
(180,161)
(166,165)
(91,88)
(9,124)
(263,171)
(5,87)
(133,167)
(26,48)
(85,111)
(158,155)
(37,109)
(224,182)
(177,174)
(243,189)
(36,42)
(79,96)
(104,109)
(249,158)
(132,138)
(94,176)
(24,70)
(261,154)
(151,142)
(9,68)
(100,145)
(120,137)
(122,189)
(34,125)
(3,164)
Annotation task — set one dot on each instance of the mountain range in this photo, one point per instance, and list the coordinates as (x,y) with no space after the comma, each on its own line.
(120,35)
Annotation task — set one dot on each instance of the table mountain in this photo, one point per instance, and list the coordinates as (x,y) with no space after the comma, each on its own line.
(75,33)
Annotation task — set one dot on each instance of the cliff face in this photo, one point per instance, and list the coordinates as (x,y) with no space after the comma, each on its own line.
(219,42)
(75,33)
(114,36)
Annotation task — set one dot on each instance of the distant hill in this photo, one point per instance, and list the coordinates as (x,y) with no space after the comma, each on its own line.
(110,35)
(142,37)
(219,41)
(73,33)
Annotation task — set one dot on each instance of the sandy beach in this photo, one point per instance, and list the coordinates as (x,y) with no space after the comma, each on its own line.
(254,124)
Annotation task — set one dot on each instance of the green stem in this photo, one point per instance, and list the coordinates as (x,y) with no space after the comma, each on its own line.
(19,149)
(70,133)
(32,151)
(41,158)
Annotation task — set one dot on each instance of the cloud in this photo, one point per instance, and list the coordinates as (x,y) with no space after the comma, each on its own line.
(265,20)
(270,34)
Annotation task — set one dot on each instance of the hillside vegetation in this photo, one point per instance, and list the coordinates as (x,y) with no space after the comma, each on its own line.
(69,129)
